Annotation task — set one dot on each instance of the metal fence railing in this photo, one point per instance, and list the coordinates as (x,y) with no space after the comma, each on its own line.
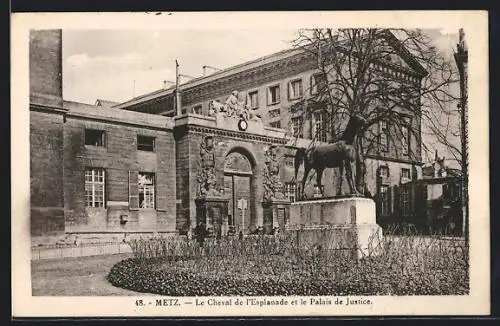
(95,249)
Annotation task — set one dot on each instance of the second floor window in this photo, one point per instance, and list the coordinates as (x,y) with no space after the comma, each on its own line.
(95,137)
(145,143)
(274,113)
(253,100)
(319,127)
(273,95)
(295,89)
(146,190)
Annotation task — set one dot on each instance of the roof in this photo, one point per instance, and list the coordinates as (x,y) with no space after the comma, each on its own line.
(117,115)
(277,56)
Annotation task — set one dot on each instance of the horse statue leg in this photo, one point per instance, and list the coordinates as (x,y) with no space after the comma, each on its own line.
(340,178)
(307,169)
(319,175)
(350,179)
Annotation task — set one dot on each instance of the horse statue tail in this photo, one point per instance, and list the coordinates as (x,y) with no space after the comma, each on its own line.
(299,159)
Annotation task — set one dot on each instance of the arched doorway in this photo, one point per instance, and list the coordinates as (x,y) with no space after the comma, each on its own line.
(238,183)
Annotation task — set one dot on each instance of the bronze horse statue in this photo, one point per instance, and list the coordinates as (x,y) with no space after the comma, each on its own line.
(340,154)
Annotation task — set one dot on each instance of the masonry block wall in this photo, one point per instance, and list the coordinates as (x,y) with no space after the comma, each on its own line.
(121,162)
(46,170)
(46,63)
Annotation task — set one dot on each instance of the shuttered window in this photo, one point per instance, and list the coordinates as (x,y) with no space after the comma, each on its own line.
(133,191)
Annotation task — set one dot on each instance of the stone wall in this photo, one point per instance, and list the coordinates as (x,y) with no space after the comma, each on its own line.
(46,169)
(121,161)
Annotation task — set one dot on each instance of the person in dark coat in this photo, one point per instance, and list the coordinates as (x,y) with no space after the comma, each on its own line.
(200,231)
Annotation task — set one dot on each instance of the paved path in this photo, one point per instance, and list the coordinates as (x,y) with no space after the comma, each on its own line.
(82,276)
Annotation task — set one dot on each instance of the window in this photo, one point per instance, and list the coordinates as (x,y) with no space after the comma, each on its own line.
(297,128)
(319,129)
(318,82)
(290,191)
(405,174)
(384,172)
(273,95)
(146,190)
(383,135)
(94,187)
(197,109)
(183,110)
(384,200)
(289,161)
(145,143)
(276,124)
(274,113)
(406,135)
(405,200)
(95,137)
(253,99)
(295,89)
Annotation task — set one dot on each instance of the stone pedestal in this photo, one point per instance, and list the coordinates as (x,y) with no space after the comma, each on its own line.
(276,214)
(212,210)
(337,223)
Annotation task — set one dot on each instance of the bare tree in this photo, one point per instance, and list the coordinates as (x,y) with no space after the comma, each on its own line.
(394,78)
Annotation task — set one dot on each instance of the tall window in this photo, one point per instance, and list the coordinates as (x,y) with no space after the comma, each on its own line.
(384,199)
(290,191)
(146,190)
(383,135)
(145,143)
(95,137)
(273,95)
(297,128)
(319,129)
(295,89)
(94,187)
(254,99)
(318,82)
(405,174)
(406,135)
(405,200)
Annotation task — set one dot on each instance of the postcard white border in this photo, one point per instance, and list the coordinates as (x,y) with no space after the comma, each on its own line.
(475,24)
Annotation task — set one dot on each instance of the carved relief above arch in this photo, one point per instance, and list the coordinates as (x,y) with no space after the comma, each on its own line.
(237,162)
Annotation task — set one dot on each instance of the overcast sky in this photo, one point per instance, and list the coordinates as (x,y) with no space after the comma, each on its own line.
(117,65)
(105,63)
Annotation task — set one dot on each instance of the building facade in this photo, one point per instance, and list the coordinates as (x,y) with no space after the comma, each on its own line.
(133,166)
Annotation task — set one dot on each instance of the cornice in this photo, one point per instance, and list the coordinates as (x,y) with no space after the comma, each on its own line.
(234,134)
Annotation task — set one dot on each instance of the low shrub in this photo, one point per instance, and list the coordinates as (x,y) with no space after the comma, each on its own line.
(262,265)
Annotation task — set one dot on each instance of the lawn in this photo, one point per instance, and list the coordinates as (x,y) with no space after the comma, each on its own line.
(82,276)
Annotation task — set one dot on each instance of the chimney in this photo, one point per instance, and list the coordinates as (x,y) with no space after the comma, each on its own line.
(164,84)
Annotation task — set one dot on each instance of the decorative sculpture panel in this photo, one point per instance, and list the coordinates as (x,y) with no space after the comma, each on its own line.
(233,108)
(207,180)
(273,188)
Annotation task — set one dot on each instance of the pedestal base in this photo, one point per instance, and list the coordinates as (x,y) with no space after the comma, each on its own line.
(347,224)
(213,212)
(276,214)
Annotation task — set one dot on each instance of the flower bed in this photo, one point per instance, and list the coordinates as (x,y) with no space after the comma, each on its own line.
(263,266)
